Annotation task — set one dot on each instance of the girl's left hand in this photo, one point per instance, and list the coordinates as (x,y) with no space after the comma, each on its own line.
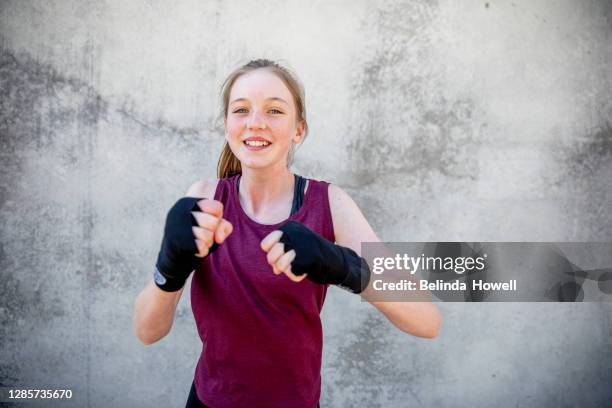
(278,258)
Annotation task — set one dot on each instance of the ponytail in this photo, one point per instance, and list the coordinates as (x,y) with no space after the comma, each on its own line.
(228,163)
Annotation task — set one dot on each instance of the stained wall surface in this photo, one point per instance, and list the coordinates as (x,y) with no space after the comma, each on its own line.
(445,121)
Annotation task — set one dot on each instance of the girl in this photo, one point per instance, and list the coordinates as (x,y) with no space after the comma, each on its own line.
(265,245)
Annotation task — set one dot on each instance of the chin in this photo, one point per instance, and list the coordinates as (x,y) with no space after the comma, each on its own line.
(251,162)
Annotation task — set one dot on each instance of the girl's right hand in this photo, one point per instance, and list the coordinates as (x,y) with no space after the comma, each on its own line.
(211,226)
(193,227)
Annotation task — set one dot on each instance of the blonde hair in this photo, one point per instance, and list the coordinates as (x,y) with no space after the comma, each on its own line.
(229,164)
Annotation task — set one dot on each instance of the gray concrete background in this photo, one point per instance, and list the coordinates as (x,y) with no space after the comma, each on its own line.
(470,121)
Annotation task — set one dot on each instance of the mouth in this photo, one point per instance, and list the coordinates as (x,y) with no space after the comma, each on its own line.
(256,143)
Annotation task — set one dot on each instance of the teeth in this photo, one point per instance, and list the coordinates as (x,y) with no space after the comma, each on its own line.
(256,143)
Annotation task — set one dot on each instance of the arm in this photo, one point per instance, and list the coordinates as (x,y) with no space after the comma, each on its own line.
(154,308)
(154,313)
(420,319)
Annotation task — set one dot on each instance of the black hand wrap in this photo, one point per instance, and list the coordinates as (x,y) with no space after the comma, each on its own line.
(324,261)
(176,259)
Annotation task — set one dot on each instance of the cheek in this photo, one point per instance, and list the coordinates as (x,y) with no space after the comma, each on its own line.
(285,128)
(232,129)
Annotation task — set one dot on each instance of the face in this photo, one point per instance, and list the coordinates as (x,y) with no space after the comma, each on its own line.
(261,122)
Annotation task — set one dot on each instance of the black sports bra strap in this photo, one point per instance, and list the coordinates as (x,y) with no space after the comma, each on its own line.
(298,192)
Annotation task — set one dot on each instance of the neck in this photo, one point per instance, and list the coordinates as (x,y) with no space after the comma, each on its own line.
(264,192)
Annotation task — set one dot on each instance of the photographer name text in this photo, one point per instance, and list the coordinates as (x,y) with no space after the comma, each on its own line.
(440,285)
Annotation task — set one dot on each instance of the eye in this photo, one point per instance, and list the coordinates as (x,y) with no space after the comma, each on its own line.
(240,110)
(275,111)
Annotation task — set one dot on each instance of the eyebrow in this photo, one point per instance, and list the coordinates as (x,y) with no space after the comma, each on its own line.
(274,98)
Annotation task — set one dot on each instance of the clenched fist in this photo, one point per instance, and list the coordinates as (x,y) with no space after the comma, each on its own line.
(193,227)
(211,228)
(279,260)
(298,252)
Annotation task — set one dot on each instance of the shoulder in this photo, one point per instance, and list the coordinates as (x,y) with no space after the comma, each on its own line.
(350,225)
(340,201)
(343,208)
(203,188)
(338,197)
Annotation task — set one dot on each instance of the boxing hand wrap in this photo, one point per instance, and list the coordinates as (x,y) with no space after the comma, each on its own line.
(324,261)
(176,259)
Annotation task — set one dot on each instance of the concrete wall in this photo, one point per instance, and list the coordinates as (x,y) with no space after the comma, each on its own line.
(470,121)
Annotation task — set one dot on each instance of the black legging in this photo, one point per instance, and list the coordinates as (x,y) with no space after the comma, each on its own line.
(194,402)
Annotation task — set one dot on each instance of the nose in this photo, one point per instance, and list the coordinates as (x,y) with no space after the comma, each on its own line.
(256,120)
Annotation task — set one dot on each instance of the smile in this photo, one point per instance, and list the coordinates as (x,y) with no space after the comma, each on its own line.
(256,143)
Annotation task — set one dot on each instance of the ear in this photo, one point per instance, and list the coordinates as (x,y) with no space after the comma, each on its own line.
(299,133)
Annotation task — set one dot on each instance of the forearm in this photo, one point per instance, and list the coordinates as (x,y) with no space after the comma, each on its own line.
(420,319)
(154,313)
(415,314)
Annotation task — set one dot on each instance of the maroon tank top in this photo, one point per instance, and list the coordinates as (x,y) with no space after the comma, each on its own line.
(261,333)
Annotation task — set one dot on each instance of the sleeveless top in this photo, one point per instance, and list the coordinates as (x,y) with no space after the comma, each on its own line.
(261,333)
